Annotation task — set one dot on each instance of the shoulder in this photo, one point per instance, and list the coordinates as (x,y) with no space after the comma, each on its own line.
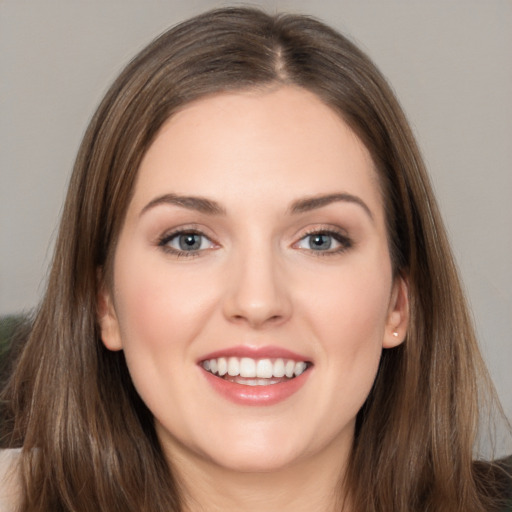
(9,479)
(505,466)
(494,479)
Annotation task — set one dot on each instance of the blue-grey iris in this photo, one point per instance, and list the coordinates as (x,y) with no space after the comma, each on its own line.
(320,242)
(189,242)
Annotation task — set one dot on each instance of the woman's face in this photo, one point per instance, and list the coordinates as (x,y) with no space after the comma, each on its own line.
(254,244)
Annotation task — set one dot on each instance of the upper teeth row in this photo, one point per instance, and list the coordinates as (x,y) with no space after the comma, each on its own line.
(261,368)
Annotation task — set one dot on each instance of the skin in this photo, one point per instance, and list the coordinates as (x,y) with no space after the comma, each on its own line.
(256,280)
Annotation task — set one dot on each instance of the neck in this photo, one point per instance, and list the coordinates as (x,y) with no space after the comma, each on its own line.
(312,484)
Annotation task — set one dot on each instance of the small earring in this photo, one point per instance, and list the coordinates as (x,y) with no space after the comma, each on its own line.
(395,334)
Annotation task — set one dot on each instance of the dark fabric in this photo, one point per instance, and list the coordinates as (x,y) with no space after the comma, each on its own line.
(506,466)
(13,330)
(8,326)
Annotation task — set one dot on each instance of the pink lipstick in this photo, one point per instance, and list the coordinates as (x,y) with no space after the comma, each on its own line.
(255,375)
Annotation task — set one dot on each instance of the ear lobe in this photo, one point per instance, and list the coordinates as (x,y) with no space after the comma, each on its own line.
(107,320)
(398,315)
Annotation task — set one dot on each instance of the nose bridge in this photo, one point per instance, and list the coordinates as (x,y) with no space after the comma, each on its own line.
(257,292)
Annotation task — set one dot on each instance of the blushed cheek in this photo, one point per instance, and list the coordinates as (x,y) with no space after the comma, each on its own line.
(358,307)
(352,318)
(143,311)
(150,330)
(162,310)
(359,348)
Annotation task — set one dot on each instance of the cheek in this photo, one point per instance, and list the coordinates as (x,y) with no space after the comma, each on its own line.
(349,320)
(353,338)
(350,307)
(160,314)
(156,304)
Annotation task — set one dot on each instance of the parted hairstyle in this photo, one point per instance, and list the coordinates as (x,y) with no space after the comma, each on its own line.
(88,440)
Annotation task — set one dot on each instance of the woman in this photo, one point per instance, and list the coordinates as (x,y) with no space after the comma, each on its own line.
(252,303)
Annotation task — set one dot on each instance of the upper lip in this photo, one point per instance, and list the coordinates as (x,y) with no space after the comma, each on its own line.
(265,352)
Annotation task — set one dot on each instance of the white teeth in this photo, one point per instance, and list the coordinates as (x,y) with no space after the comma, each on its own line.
(299,368)
(255,382)
(278,368)
(255,369)
(233,366)
(264,369)
(247,367)
(289,368)
(222,366)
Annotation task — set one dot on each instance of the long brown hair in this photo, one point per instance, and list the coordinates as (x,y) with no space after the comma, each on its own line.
(88,440)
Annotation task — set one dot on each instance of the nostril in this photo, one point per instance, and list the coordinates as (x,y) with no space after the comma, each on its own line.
(258,320)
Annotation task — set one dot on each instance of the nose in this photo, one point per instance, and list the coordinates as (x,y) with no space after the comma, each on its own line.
(258,294)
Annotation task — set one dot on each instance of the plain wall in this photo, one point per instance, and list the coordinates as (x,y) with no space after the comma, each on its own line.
(450,64)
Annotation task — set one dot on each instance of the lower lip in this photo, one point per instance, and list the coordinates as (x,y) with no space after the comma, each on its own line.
(256,395)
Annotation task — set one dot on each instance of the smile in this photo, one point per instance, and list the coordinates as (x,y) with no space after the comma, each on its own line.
(254,372)
(255,376)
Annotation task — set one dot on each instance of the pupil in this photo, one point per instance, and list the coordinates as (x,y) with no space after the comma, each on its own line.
(321,242)
(190,241)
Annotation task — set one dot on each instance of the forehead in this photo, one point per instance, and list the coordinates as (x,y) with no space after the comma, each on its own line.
(257,145)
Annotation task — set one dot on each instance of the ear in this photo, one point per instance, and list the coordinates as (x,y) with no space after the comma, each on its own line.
(107,318)
(398,314)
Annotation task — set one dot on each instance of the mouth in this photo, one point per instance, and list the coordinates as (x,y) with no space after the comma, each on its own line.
(248,371)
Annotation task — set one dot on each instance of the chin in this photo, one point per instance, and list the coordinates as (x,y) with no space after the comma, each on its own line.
(254,461)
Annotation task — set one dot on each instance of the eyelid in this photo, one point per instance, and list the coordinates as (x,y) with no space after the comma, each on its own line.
(343,240)
(340,236)
(164,239)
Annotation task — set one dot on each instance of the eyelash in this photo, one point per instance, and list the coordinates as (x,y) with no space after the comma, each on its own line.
(168,237)
(344,241)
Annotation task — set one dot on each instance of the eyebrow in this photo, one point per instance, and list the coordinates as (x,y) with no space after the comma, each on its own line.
(312,203)
(209,207)
(199,204)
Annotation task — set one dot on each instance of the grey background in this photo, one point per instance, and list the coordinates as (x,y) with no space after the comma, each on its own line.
(450,63)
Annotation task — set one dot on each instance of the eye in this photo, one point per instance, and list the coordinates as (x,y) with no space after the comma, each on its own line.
(186,243)
(324,241)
